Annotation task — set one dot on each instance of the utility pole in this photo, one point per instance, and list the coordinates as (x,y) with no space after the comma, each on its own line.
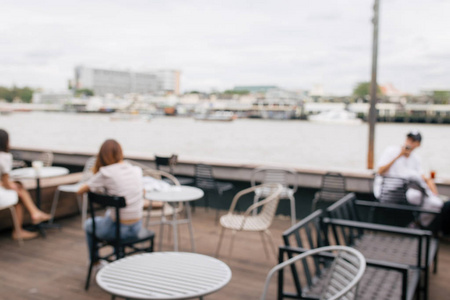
(373,86)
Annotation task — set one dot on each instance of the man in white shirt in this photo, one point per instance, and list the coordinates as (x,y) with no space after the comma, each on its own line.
(401,161)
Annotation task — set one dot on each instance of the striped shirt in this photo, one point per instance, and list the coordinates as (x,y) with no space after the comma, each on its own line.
(121,179)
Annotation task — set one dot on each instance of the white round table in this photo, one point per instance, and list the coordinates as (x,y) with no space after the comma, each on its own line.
(164,275)
(173,195)
(44,172)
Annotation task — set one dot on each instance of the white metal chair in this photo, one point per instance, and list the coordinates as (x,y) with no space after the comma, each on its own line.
(46,158)
(9,198)
(271,175)
(342,278)
(73,188)
(248,222)
(166,210)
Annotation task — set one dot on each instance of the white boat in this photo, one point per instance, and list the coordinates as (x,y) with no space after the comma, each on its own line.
(225,116)
(336,116)
(129,117)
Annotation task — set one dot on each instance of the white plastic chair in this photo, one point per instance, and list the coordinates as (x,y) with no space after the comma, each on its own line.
(248,222)
(73,188)
(343,276)
(272,175)
(9,198)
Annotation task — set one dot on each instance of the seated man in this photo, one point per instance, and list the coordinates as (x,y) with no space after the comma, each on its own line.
(402,162)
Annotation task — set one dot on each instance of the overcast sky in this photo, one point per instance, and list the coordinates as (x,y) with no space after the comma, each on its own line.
(219,44)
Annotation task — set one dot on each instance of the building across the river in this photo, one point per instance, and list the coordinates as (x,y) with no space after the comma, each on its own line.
(121,82)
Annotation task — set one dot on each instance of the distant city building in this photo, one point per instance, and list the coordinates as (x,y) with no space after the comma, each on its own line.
(168,81)
(255,88)
(391,92)
(103,81)
(51,98)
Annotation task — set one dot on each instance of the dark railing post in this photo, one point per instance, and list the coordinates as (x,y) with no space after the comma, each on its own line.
(373,87)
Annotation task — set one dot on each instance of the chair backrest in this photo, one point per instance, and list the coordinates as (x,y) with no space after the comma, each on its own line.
(87,170)
(343,276)
(307,234)
(46,158)
(394,190)
(344,209)
(204,178)
(270,205)
(274,175)
(106,201)
(166,161)
(333,187)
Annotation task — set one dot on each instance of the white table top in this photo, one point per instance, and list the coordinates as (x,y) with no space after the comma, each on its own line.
(164,275)
(180,193)
(44,172)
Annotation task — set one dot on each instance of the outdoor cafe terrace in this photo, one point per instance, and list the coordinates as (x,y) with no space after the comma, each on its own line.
(55,267)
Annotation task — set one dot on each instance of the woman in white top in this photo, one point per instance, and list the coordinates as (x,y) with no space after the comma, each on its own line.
(113,176)
(37,216)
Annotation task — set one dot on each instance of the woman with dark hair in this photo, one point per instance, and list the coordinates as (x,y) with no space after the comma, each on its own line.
(113,176)
(37,216)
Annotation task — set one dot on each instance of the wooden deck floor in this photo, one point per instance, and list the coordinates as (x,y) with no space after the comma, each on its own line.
(55,267)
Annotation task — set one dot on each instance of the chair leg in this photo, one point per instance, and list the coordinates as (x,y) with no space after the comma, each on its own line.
(16,224)
(88,279)
(264,245)
(220,241)
(274,246)
(255,200)
(161,232)
(435,262)
(293,215)
(206,195)
(84,210)
(54,205)
(79,203)
(233,235)
(191,229)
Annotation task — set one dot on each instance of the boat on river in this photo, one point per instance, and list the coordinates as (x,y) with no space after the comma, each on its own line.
(336,116)
(224,116)
(120,116)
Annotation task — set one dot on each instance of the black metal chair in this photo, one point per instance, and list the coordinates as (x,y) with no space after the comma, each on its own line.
(170,162)
(119,245)
(393,191)
(204,180)
(332,189)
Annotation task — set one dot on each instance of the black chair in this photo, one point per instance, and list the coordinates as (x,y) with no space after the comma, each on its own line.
(119,245)
(393,191)
(204,180)
(331,190)
(170,162)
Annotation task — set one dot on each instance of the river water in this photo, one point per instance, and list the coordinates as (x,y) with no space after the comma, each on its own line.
(294,142)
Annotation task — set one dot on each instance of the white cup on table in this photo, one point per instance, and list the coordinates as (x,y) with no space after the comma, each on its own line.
(37,166)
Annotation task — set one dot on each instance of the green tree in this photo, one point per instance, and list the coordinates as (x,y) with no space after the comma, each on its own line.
(5,93)
(233,92)
(441,97)
(85,92)
(25,94)
(362,90)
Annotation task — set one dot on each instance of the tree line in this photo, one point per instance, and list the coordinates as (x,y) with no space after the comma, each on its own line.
(9,94)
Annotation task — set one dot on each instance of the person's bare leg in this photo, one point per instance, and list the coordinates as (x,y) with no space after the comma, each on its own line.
(37,216)
(24,234)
